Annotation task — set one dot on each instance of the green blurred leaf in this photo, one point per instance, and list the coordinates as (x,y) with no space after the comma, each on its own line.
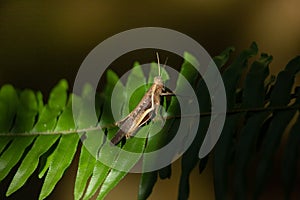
(279,97)
(165,172)
(222,152)
(290,159)
(190,157)
(253,97)
(147,183)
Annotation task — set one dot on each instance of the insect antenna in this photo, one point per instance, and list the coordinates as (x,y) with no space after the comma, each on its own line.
(165,64)
(164,70)
(158,63)
(157,56)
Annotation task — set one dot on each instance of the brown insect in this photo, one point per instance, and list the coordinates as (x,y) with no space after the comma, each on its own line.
(144,111)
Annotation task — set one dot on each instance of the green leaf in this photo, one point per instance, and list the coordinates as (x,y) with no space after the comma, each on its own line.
(277,126)
(290,159)
(87,158)
(4,141)
(101,170)
(254,92)
(222,152)
(253,97)
(13,154)
(62,158)
(63,155)
(57,100)
(135,80)
(147,183)
(279,97)
(259,110)
(202,164)
(113,83)
(221,60)
(165,172)
(233,73)
(155,141)
(30,162)
(190,157)
(284,83)
(148,179)
(87,161)
(58,96)
(124,162)
(27,110)
(4,118)
(65,121)
(85,169)
(8,107)
(48,116)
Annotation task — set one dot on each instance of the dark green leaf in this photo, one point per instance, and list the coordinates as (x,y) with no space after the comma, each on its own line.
(290,159)
(147,183)
(203,163)
(279,97)
(270,144)
(165,172)
(222,152)
(253,97)
(190,157)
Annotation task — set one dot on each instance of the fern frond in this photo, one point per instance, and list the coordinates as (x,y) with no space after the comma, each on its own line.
(35,134)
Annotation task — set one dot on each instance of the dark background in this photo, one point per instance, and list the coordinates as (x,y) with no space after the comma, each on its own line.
(42,42)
